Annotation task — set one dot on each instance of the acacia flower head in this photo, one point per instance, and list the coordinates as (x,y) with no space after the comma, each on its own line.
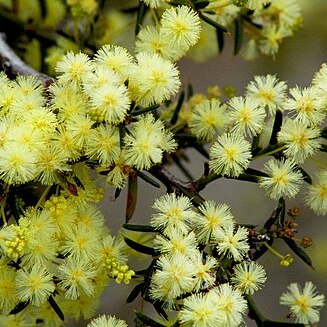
(107,321)
(234,244)
(112,101)
(247,115)
(304,304)
(204,270)
(18,164)
(300,140)
(103,144)
(199,310)
(306,106)
(153,79)
(174,213)
(208,119)
(73,67)
(181,26)
(316,196)
(248,277)
(34,285)
(177,243)
(115,58)
(77,277)
(284,179)
(230,155)
(149,40)
(8,297)
(211,219)
(269,91)
(173,277)
(229,303)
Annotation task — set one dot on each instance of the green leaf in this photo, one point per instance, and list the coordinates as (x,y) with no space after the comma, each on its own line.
(276,127)
(56,308)
(201,4)
(140,16)
(139,228)
(213,23)
(220,40)
(148,179)
(297,249)
(117,192)
(178,108)
(122,133)
(190,91)
(139,247)
(323,147)
(19,307)
(147,320)
(134,293)
(145,110)
(131,197)
(278,215)
(255,148)
(238,35)
(306,177)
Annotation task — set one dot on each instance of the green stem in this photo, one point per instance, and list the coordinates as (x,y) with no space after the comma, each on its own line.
(203,181)
(42,198)
(272,250)
(3,214)
(264,153)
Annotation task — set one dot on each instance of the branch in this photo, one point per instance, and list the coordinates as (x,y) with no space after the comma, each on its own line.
(173,184)
(14,66)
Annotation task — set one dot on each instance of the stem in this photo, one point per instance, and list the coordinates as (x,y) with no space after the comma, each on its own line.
(272,250)
(42,197)
(203,181)
(10,62)
(3,214)
(263,153)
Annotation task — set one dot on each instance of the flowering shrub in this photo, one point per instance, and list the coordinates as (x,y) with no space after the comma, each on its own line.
(114,114)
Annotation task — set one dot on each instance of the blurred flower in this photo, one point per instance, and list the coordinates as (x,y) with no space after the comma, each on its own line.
(304,304)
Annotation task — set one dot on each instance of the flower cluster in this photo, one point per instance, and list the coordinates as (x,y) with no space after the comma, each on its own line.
(246,128)
(112,115)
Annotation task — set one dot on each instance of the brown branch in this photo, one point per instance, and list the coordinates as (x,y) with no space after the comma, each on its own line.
(173,184)
(14,66)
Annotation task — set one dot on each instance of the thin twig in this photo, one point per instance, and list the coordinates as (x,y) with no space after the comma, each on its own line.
(14,66)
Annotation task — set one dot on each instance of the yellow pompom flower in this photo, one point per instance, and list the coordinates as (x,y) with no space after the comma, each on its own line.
(115,58)
(249,277)
(301,141)
(304,304)
(173,277)
(8,297)
(181,26)
(247,115)
(34,285)
(230,155)
(209,119)
(153,79)
(107,321)
(76,277)
(73,67)
(113,101)
(316,196)
(284,179)
(18,164)
(199,310)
